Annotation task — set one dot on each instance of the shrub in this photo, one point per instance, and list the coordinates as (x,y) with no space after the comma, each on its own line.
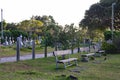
(116,42)
(109,48)
(107,35)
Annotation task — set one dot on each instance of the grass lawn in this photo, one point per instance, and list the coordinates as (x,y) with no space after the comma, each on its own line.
(45,69)
(6,51)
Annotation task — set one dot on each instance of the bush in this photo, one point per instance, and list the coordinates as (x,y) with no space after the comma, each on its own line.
(2,41)
(107,35)
(109,48)
(116,42)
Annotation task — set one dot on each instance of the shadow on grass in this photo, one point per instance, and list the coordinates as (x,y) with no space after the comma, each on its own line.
(64,77)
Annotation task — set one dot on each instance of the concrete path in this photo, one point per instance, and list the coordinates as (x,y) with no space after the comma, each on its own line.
(26,57)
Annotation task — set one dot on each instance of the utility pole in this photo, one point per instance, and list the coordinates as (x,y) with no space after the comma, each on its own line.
(112,18)
(1,25)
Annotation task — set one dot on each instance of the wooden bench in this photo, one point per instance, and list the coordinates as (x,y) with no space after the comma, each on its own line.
(100,53)
(66,61)
(86,57)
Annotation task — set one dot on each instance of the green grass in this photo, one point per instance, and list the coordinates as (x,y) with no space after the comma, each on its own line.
(44,69)
(6,51)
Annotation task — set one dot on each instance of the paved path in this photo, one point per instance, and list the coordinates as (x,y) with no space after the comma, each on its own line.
(26,57)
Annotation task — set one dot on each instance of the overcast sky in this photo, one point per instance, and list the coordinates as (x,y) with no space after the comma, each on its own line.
(63,11)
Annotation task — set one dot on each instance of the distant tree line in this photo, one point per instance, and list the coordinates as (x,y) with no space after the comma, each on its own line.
(52,34)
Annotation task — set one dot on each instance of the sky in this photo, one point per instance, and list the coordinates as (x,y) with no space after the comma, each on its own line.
(63,11)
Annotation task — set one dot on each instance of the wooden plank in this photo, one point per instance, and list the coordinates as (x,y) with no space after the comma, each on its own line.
(64,61)
(67,60)
(62,52)
(87,55)
(101,51)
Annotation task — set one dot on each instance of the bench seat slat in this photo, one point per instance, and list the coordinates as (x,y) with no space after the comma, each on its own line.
(67,60)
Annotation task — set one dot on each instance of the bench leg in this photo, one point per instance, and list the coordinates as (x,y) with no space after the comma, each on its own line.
(56,65)
(76,63)
(65,65)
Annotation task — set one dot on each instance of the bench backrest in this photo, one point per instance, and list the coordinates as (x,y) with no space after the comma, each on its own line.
(61,53)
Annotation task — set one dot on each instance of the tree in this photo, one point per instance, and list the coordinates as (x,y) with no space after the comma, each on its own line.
(4,25)
(55,30)
(107,1)
(99,15)
(2,28)
(50,31)
(11,26)
(31,26)
(71,32)
(63,39)
(79,37)
(96,18)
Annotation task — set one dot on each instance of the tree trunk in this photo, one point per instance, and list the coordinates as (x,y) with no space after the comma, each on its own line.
(78,49)
(55,48)
(45,51)
(72,50)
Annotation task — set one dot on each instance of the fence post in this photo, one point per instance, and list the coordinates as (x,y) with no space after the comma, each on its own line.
(33,49)
(18,49)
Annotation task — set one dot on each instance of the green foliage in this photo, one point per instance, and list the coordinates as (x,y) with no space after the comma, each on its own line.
(47,40)
(109,48)
(31,26)
(33,36)
(50,31)
(116,39)
(7,33)
(116,42)
(107,35)
(11,26)
(17,33)
(4,25)
(68,37)
(2,41)
(95,18)
(107,1)
(63,40)
(99,15)
(14,33)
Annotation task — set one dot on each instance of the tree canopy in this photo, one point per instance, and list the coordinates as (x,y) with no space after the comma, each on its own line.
(99,16)
(32,25)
